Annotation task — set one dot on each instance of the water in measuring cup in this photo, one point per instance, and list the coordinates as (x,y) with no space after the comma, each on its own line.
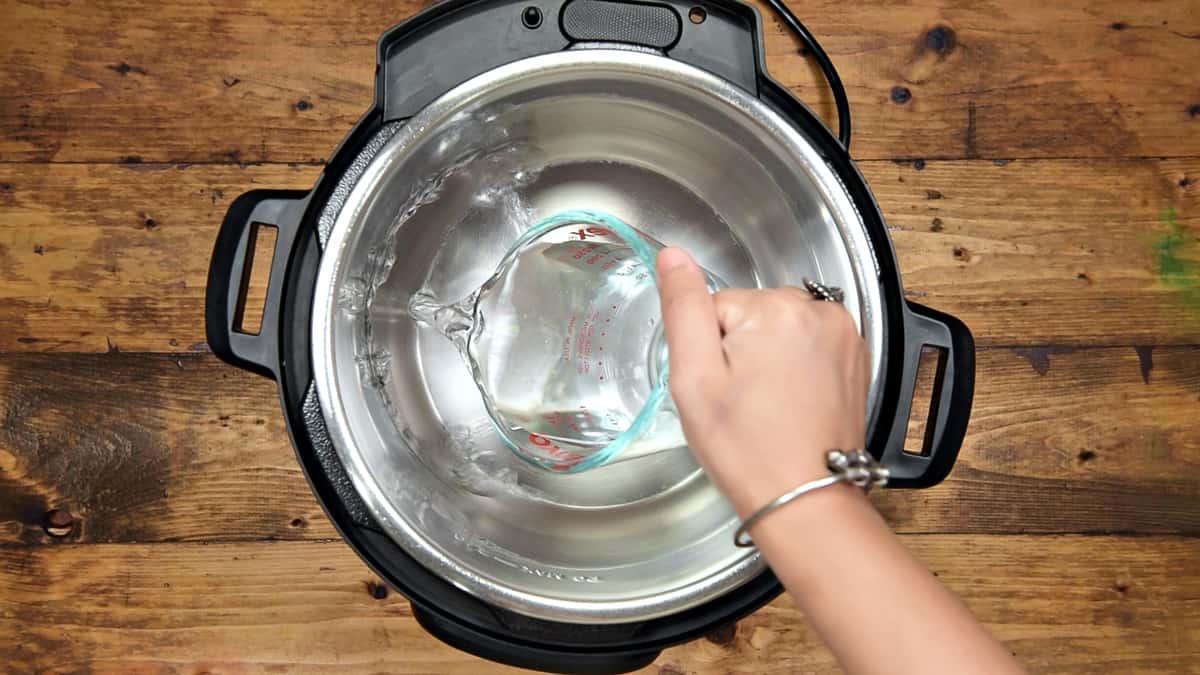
(565,344)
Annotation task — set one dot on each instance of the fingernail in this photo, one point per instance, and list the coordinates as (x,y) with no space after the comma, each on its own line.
(672,258)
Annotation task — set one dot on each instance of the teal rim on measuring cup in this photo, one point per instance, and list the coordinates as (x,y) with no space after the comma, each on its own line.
(565,390)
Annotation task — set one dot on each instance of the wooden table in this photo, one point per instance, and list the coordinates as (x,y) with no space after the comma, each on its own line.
(1038,164)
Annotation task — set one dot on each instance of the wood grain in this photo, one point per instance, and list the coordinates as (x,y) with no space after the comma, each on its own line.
(1049,252)
(147,448)
(1061,604)
(97,257)
(283,81)
(1010,79)
(167,448)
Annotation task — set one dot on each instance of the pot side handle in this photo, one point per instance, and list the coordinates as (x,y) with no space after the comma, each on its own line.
(953,391)
(535,657)
(229,276)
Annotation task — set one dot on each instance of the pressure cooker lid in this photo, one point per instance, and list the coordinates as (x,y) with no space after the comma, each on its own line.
(433,204)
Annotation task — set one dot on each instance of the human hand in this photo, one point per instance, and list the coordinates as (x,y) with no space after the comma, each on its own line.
(765,381)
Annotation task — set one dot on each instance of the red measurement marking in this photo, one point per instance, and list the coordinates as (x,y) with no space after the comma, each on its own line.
(565,459)
(555,451)
(585,249)
(593,231)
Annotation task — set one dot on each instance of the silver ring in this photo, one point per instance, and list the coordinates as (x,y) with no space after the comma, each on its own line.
(822,292)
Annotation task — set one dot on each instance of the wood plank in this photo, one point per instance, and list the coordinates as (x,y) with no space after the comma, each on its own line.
(284,81)
(147,448)
(1047,252)
(96,256)
(1070,441)
(1061,604)
(162,448)
(963,79)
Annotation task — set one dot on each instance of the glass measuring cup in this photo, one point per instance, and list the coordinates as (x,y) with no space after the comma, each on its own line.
(565,343)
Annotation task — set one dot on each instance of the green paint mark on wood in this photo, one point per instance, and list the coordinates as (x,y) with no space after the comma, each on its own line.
(1171,268)
(1177,259)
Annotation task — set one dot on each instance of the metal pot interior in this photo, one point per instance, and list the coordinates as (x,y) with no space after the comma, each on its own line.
(686,157)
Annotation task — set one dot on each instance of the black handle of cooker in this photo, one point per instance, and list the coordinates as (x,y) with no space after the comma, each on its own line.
(953,391)
(229,272)
(455,40)
(535,657)
(658,26)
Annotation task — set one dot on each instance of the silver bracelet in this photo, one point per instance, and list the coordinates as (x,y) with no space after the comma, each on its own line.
(856,467)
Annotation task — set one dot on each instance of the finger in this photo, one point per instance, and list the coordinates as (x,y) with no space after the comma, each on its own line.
(798,293)
(734,308)
(689,316)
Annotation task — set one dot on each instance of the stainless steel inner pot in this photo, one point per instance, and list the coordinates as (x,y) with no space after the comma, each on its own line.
(685,156)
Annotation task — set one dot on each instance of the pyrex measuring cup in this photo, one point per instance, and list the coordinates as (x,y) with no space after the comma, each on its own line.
(565,343)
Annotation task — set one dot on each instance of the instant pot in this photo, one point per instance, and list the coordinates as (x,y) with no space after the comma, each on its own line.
(489,113)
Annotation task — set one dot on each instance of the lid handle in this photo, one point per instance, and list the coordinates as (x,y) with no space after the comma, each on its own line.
(656,26)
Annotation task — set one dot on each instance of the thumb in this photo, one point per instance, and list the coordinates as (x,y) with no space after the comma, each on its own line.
(689,314)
